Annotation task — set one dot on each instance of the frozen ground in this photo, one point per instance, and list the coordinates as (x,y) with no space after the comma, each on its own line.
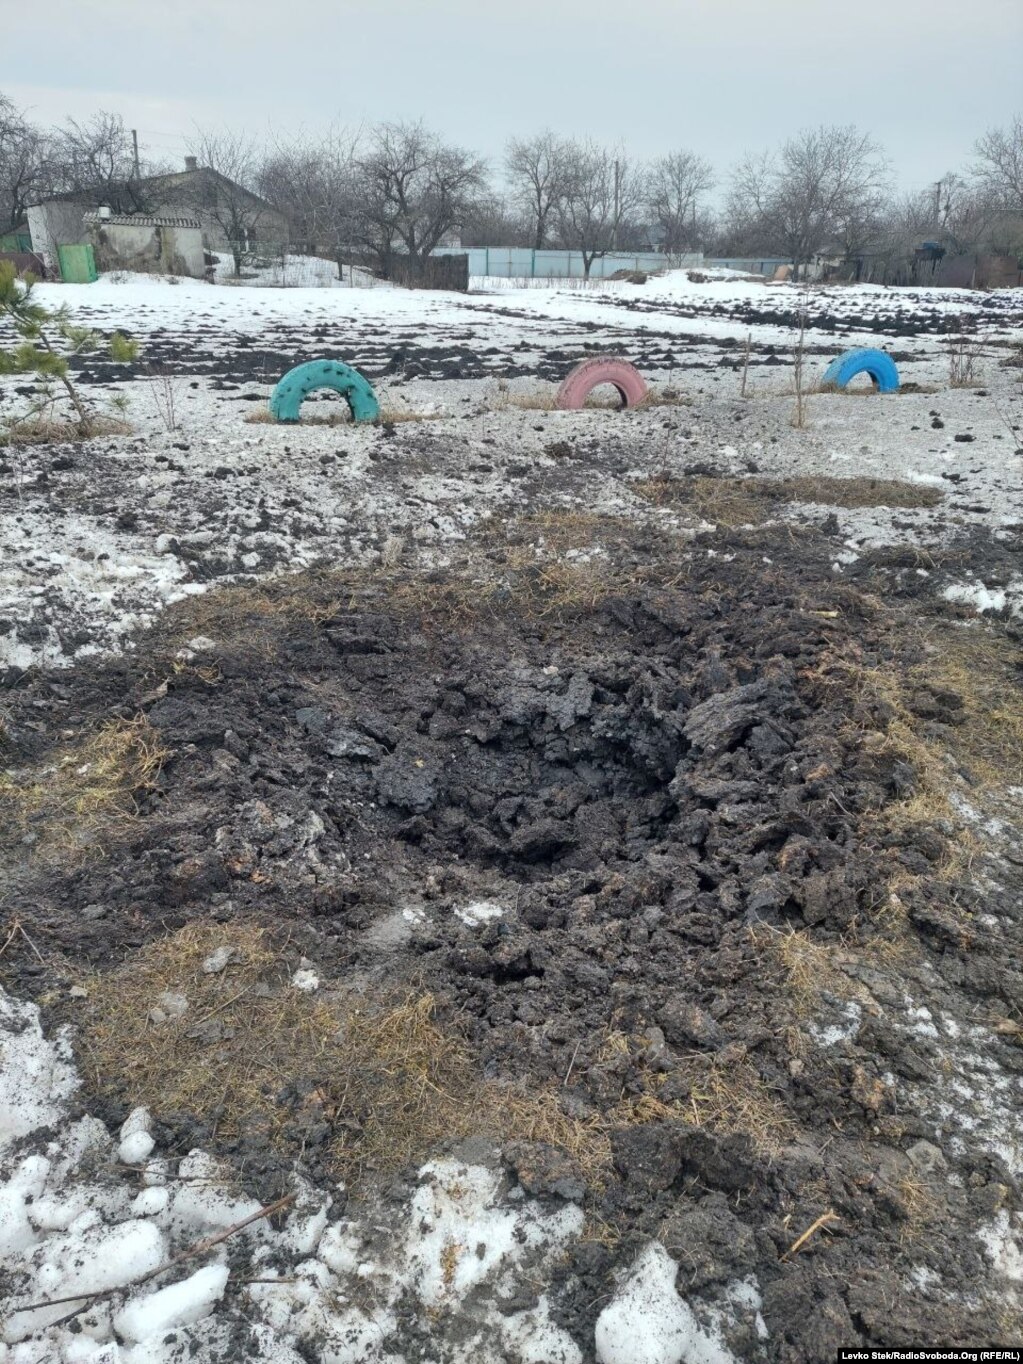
(907,1088)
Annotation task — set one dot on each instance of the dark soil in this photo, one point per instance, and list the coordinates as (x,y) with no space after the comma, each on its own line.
(656,788)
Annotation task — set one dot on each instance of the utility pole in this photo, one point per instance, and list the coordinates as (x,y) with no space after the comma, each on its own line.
(937,202)
(618,205)
(135,150)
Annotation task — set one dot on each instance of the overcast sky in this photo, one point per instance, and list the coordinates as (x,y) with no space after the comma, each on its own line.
(718,76)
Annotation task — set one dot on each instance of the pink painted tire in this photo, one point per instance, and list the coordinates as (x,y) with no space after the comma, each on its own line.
(587,375)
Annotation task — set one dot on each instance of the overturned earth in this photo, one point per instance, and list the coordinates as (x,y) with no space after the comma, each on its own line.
(672,843)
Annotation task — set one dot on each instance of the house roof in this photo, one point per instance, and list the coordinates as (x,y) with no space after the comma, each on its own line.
(140,220)
(134,189)
(187,178)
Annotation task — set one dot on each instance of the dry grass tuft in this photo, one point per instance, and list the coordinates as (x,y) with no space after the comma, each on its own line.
(259,621)
(811,969)
(975,670)
(47,431)
(258,1057)
(531,586)
(340,416)
(86,789)
(740,501)
(539,399)
(256,620)
(964,357)
(726,1097)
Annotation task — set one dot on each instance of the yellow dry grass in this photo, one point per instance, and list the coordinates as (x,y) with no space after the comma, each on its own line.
(340,416)
(738,501)
(390,1080)
(253,620)
(526,584)
(87,789)
(978,666)
(726,1097)
(266,1059)
(920,1208)
(49,431)
(810,969)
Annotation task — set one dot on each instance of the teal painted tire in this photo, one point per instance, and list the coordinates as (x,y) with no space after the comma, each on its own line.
(876,363)
(287,398)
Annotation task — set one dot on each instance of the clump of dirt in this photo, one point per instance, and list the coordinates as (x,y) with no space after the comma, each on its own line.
(753,501)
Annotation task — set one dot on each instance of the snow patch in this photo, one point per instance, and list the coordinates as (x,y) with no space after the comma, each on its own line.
(479,912)
(180,1304)
(648,1323)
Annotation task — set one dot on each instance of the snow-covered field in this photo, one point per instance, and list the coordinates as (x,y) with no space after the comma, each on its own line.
(96,544)
(108,1243)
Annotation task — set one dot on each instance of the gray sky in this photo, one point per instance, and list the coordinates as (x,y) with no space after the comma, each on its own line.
(718,76)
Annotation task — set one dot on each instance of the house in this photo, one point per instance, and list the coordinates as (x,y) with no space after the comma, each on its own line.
(146,243)
(230,217)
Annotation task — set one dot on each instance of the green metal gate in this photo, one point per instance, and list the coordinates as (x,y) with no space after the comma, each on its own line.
(77,264)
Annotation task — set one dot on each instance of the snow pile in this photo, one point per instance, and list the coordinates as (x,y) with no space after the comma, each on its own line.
(96,1268)
(459,1248)
(983,598)
(36,1077)
(1004,1246)
(179,1305)
(648,1323)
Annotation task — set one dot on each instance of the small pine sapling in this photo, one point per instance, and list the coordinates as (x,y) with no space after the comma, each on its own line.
(48,339)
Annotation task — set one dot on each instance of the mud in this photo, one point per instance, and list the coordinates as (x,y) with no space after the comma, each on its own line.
(649,792)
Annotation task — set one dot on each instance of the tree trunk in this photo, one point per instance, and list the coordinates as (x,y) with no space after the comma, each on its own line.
(72,392)
(587,264)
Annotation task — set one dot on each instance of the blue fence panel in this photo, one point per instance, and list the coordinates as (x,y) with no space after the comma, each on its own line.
(515,262)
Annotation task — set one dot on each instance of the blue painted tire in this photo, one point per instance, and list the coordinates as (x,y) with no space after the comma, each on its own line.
(876,363)
(290,393)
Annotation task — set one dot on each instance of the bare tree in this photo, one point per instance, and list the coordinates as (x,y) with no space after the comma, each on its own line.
(674,186)
(414,189)
(967,213)
(225,195)
(494,221)
(316,182)
(96,160)
(822,183)
(538,169)
(23,170)
(999,168)
(600,198)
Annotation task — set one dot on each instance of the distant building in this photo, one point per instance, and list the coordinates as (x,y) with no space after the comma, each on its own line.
(228,215)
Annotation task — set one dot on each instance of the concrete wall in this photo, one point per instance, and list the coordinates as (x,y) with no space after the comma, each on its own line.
(57,223)
(150,248)
(270,227)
